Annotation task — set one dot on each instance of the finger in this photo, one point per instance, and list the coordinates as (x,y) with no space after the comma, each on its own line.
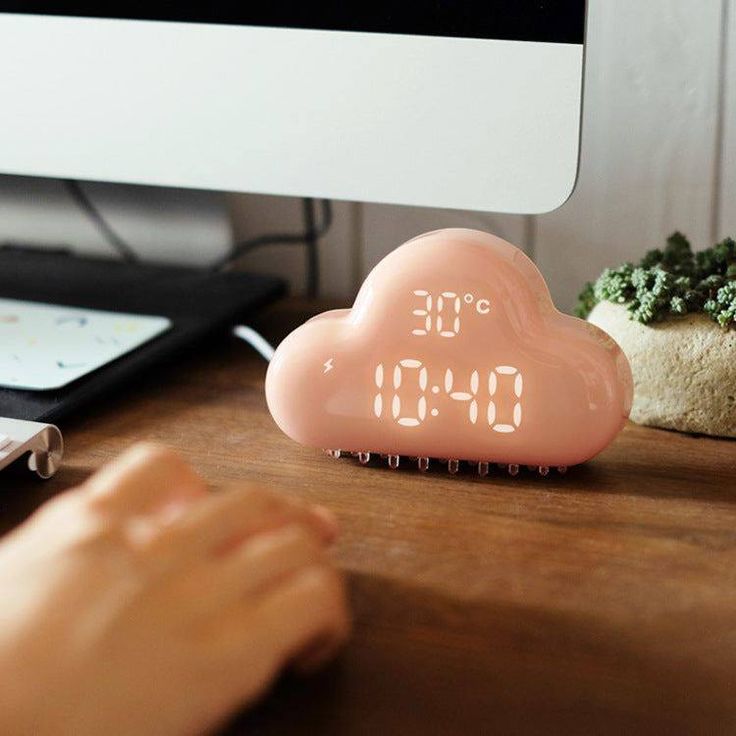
(249,643)
(267,560)
(309,611)
(219,524)
(146,477)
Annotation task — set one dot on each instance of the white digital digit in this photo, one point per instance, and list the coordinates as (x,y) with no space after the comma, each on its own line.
(425,313)
(464,395)
(422,377)
(396,406)
(518,385)
(446,325)
(397,376)
(449,380)
(378,400)
(454,302)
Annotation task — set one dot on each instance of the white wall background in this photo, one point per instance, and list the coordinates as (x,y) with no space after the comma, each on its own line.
(659,154)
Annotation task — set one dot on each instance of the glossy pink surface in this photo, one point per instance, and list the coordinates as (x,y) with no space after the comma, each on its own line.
(453,349)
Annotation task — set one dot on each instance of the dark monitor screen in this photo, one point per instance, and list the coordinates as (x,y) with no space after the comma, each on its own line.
(554,21)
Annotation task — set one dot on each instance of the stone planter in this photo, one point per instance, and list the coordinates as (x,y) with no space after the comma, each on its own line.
(684,370)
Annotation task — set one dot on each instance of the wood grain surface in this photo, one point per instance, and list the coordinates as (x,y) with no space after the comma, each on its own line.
(602,601)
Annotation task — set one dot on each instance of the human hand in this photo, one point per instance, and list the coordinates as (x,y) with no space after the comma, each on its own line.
(139,603)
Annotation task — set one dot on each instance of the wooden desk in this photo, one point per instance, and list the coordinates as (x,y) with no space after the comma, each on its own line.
(602,601)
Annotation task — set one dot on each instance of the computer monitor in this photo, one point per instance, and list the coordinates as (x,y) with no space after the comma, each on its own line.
(472,105)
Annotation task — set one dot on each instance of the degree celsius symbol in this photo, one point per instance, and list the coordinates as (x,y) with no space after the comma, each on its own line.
(482,306)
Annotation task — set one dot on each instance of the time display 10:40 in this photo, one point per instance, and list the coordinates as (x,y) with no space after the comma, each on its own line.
(491,395)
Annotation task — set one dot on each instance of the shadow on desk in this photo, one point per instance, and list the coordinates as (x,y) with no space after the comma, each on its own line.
(421,663)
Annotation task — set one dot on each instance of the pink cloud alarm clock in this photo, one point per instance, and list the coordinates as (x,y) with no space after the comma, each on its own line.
(452,350)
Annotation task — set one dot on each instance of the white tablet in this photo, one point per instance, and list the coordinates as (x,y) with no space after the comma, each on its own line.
(44,347)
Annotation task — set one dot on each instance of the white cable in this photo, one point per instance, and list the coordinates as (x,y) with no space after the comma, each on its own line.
(255,340)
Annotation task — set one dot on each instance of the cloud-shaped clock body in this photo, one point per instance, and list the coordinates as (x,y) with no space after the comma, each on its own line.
(453,349)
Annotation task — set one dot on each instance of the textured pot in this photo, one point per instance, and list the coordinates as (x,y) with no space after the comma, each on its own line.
(684,370)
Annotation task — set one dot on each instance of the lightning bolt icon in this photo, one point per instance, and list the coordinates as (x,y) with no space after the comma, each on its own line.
(328,365)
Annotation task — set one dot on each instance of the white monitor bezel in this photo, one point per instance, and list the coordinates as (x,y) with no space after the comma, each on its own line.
(490,125)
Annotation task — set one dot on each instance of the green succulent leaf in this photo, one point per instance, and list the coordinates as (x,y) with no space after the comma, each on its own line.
(670,282)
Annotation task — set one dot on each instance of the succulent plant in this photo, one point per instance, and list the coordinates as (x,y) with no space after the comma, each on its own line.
(670,283)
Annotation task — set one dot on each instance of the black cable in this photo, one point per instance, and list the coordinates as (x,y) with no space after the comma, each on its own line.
(312,248)
(86,205)
(310,237)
